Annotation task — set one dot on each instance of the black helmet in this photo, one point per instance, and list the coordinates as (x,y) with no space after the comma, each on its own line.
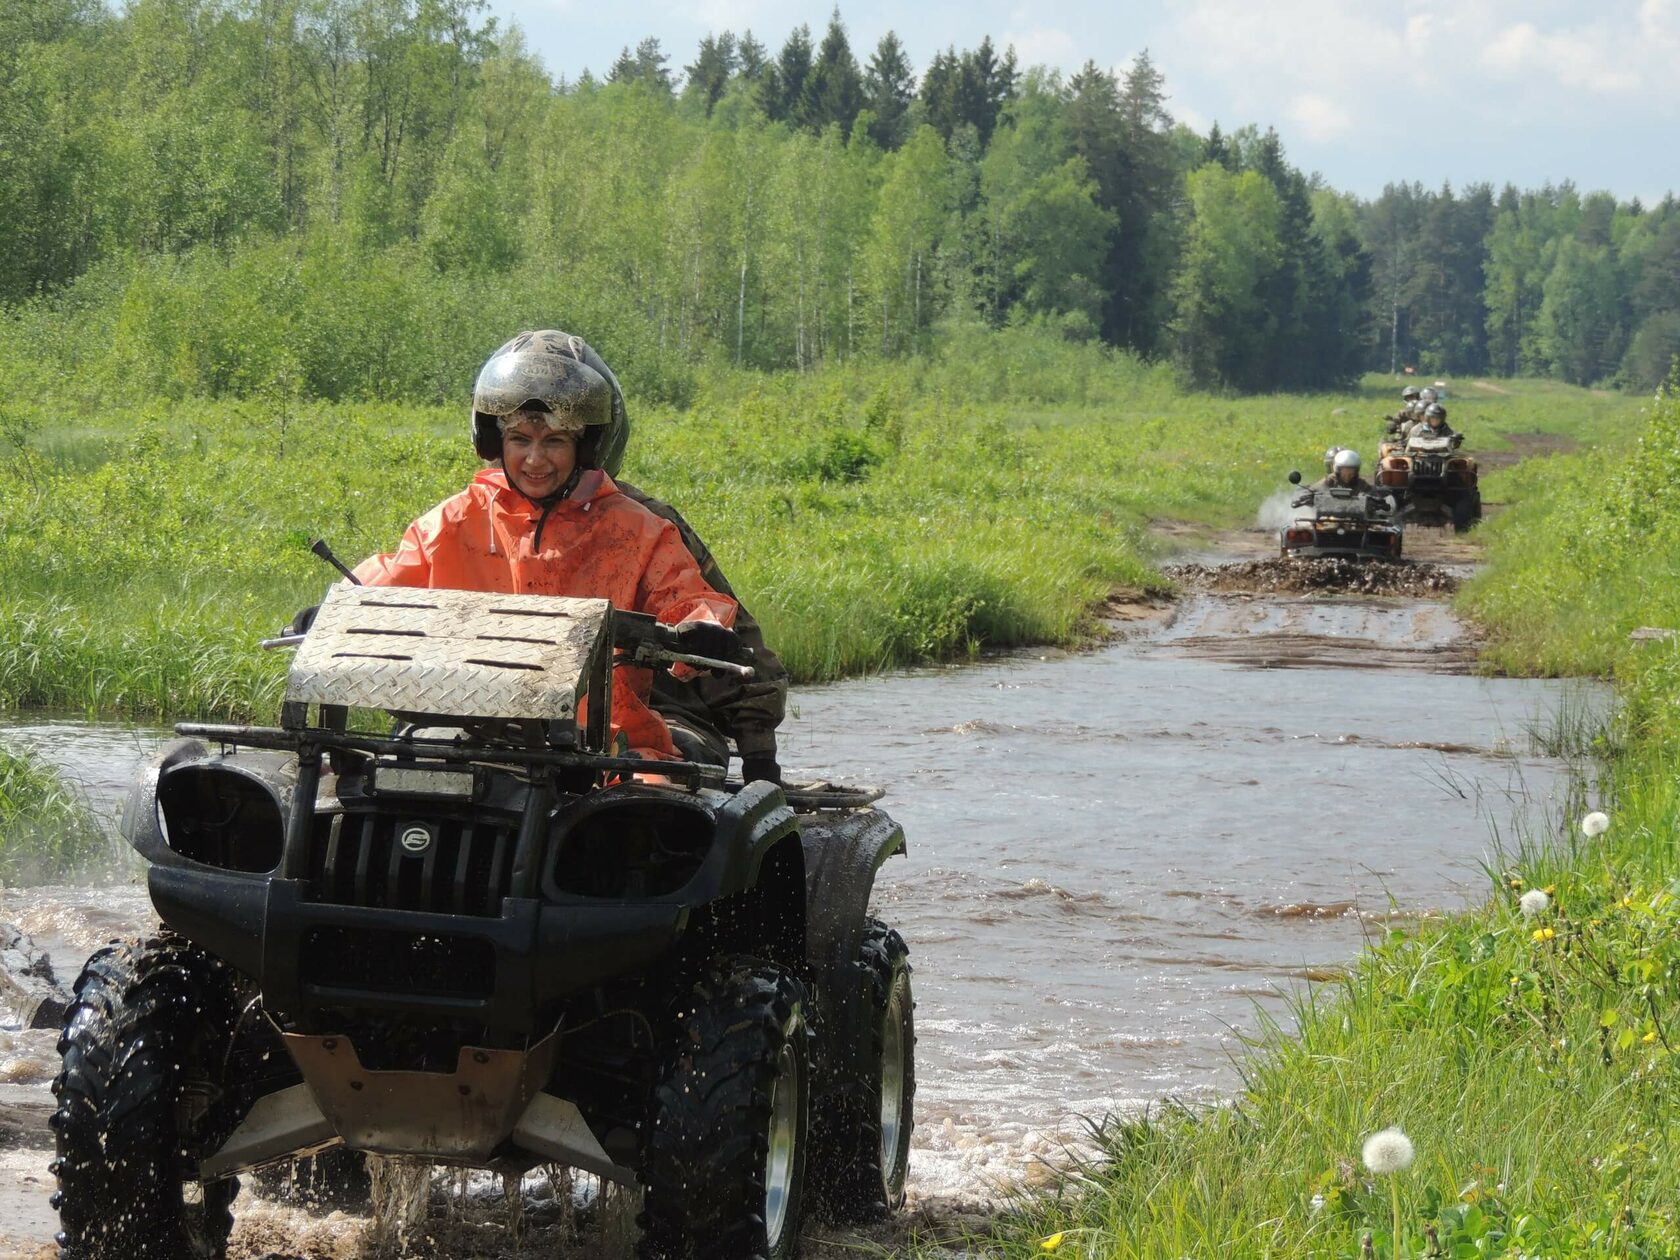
(550,371)
(1435,411)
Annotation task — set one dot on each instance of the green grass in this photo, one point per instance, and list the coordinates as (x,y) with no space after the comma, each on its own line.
(989,495)
(47,833)
(1532,1060)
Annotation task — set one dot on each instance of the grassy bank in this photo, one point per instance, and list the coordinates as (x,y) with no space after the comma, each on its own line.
(988,495)
(47,833)
(1529,1052)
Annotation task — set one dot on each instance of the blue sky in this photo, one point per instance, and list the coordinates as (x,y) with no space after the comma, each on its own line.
(1518,90)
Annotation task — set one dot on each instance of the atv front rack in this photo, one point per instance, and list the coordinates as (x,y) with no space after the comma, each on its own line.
(318,739)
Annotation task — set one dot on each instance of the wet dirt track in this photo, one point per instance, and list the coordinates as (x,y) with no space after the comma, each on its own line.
(1115,857)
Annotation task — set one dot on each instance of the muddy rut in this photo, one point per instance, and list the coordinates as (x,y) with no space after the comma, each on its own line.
(1117,858)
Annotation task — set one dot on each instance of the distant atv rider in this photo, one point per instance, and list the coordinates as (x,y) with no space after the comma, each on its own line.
(1344,473)
(1433,423)
(549,520)
(1411,408)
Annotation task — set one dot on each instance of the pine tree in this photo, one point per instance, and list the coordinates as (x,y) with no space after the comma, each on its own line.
(889,86)
(752,57)
(782,93)
(713,67)
(834,91)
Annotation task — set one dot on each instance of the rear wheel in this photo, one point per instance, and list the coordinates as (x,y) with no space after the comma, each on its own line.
(865,1133)
(724,1164)
(143,1049)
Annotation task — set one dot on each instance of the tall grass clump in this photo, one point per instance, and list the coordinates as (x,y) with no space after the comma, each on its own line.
(47,832)
(1530,1050)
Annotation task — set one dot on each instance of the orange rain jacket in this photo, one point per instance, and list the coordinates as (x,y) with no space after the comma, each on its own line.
(595,544)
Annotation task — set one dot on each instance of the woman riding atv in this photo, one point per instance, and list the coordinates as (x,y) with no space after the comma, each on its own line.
(550,521)
(707,711)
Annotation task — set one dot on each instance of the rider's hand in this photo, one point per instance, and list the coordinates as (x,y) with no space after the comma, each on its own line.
(305,619)
(708,638)
(756,769)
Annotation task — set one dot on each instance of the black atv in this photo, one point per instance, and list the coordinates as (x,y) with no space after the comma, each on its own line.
(1340,521)
(485,939)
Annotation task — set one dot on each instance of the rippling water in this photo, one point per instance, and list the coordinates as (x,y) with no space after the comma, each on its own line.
(1114,857)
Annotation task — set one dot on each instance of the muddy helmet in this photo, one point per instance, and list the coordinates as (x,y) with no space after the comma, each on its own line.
(1435,412)
(1428,396)
(610,455)
(543,371)
(1409,393)
(1347,458)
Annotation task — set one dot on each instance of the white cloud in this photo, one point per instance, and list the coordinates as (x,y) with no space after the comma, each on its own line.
(1582,58)
(1419,28)
(1659,24)
(1043,46)
(738,15)
(1319,118)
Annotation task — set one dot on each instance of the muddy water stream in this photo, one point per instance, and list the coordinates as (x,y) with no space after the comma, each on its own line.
(1115,859)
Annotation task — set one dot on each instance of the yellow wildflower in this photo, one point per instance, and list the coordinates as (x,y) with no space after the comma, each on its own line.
(1054,1241)
(1649,1037)
(1544,934)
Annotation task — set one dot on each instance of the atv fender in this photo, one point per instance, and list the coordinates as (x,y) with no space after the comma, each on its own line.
(843,852)
(254,790)
(141,825)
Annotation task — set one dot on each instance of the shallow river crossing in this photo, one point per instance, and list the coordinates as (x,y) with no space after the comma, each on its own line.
(1117,858)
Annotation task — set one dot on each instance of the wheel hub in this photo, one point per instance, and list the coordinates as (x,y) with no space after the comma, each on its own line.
(779,1157)
(892,1083)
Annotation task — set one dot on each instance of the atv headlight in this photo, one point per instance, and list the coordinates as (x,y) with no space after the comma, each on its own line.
(221,816)
(634,848)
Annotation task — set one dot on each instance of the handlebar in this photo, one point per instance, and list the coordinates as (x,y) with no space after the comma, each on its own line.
(651,642)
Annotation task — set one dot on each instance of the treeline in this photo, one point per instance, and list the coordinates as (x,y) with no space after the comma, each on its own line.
(1544,282)
(334,198)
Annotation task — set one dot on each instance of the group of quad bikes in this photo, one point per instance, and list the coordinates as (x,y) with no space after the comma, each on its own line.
(1422,478)
(434,914)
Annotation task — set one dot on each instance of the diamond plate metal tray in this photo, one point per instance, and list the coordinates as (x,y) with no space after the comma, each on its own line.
(462,653)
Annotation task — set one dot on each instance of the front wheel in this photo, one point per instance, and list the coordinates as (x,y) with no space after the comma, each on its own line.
(724,1163)
(1467,511)
(865,1136)
(143,1048)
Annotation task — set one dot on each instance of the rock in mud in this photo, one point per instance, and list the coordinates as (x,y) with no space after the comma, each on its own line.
(1285,575)
(28,986)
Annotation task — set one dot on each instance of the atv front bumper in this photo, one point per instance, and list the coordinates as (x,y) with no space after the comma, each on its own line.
(501,971)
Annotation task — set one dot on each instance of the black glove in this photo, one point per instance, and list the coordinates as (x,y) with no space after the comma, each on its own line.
(305,619)
(707,638)
(754,769)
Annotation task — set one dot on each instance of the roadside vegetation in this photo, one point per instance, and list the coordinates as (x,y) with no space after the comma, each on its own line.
(1528,1049)
(991,493)
(47,832)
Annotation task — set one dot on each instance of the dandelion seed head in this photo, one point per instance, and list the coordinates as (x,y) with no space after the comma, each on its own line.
(1595,824)
(1534,902)
(1388,1152)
